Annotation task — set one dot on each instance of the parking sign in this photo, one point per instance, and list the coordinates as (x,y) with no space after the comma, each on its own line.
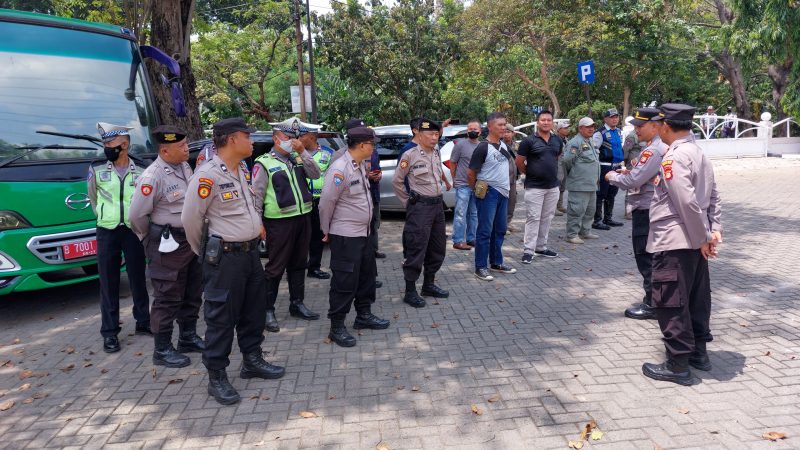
(586,72)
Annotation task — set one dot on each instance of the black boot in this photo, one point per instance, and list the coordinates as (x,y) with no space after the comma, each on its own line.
(271,324)
(272,295)
(220,388)
(165,354)
(411,297)
(254,366)
(640,311)
(430,289)
(340,335)
(188,340)
(609,213)
(699,357)
(365,319)
(299,310)
(675,370)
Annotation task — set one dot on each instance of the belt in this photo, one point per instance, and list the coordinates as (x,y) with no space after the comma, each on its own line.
(611,164)
(177,231)
(429,200)
(233,247)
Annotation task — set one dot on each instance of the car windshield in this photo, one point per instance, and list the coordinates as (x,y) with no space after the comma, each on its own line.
(389,146)
(65,81)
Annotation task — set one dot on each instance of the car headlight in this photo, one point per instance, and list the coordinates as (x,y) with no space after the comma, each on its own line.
(9,220)
(6,263)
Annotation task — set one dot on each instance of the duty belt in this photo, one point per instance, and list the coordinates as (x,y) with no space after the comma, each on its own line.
(177,231)
(619,164)
(233,247)
(429,200)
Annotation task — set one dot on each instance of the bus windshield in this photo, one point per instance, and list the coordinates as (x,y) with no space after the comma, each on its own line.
(65,81)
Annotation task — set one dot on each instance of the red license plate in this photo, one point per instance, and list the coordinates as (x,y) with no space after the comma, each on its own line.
(79,249)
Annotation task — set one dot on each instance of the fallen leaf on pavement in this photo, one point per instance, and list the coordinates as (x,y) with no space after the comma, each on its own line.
(28,401)
(683,411)
(576,444)
(7,363)
(88,365)
(154,373)
(103,370)
(400,388)
(307,414)
(768,353)
(68,368)
(596,435)
(178,380)
(25,387)
(477,411)
(6,405)
(266,397)
(138,354)
(773,436)
(39,395)
(255,397)
(382,446)
(327,341)
(69,350)
(494,398)
(435,325)
(15,341)
(415,388)
(31,374)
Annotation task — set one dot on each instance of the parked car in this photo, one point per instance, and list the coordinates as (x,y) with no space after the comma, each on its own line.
(392,139)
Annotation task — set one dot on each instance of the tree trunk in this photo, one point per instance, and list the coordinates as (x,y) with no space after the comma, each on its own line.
(626,102)
(170,29)
(779,74)
(731,69)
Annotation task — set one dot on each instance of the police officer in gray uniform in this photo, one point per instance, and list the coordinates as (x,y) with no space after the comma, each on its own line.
(345,215)
(685,229)
(223,227)
(173,268)
(639,183)
(424,235)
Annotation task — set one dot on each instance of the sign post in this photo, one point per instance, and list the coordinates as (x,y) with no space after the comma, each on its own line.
(586,77)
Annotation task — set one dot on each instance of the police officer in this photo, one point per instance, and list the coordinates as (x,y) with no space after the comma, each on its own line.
(346,212)
(208,152)
(322,156)
(224,227)
(581,173)
(284,200)
(562,129)
(424,236)
(110,186)
(639,183)
(608,140)
(685,229)
(173,268)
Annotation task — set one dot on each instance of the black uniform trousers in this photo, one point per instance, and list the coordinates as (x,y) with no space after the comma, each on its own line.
(682,296)
(234,299)
(374,225)
(606,193)
(315,245)
(424,239)
(177,281)
(644,260)
(354,271)
(287,243)
(111,245)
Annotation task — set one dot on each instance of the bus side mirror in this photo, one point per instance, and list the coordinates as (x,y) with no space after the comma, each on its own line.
(174,84)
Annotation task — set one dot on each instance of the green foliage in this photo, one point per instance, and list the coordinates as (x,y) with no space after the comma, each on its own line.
(581,110)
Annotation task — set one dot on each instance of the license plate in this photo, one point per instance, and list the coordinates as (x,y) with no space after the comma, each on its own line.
(79,249)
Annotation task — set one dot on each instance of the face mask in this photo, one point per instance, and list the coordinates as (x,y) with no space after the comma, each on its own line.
(286,146)
(112,153)
(473,134)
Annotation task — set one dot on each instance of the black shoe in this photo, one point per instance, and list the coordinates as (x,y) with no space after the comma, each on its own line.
(600,226)
(188,340)
(527,258)
(471,243)
(413,299)
(668,371)
(502,268)
(483,274)
(378,284)
(547,253)
(380,255)
(299,310)
(699,357)
(220,388)
(370,321)
(340,335)
(319,274)
(432,290)
(143,329)
(271,324)
(613,223)
(111,344)
(254,366)
(640,311)
(164,354)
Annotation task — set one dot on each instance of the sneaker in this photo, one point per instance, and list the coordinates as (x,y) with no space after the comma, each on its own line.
(546,253)
(559,213)
(590,236)
(483,274)
(527,258)
(574,240)
(502,268)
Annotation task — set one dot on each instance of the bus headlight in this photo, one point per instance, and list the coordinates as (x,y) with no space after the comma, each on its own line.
(9,220)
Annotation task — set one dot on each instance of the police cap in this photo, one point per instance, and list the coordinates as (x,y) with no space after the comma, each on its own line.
(644,115)
(677,112)
(231,125)
(429,125)
(168,134)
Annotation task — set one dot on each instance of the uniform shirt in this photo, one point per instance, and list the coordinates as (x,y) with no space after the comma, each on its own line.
(631,148)
(424,170)
(490,161)
(461,156)
(686,206)
(159,196)
(345,207)
(581,162)
(338,154)
(91,183)
(261,177)
(640,182)
(206,153)
(225,199)
(541,161)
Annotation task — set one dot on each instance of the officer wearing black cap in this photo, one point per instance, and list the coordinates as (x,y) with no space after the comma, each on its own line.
(608,140)
(345,215)
(640,184)
(685,229)
(224,227)
(424,236)
(173,268)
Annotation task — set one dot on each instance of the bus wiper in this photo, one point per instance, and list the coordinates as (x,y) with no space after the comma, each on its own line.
(84,137)
(35,148)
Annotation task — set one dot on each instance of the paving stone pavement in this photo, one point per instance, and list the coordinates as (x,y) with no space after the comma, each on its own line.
(540,353)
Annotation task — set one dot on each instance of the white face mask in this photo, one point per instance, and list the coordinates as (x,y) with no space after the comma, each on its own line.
(286,146)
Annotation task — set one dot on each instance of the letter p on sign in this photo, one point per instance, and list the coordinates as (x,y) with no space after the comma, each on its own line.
(586,72)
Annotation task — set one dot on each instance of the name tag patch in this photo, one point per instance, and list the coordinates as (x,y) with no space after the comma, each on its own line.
(355,182)
(226,185)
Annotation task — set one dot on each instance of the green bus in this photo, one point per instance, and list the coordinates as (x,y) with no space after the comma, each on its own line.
(58,78)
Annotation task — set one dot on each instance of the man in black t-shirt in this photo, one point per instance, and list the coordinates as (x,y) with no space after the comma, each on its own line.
(538,160)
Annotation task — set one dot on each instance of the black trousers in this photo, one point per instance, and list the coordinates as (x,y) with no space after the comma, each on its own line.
(354,270)
(644,260)
(374,225)
(234,299)
(315,245)
(606,194)
(424,240)
(682,296)
(177,281)
(287,242)
(111,245)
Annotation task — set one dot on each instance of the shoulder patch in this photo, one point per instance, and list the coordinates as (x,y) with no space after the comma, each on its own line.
(207,181)
(147,189)
(338,178)
(645,156)
(203,191)
(403,163)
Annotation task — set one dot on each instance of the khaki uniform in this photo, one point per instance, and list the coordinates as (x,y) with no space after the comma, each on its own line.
(581,174)
(175,276)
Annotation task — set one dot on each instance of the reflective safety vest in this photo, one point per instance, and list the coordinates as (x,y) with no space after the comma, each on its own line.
(323,160)
(287,192)
(114,194)
(611,148)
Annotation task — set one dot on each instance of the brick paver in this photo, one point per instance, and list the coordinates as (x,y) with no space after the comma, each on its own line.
(540,353)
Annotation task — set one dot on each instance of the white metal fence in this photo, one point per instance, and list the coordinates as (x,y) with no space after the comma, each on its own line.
(723,137)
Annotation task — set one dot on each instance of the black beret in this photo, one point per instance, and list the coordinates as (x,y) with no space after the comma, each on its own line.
(232,125)
(677,112)
(168,134)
